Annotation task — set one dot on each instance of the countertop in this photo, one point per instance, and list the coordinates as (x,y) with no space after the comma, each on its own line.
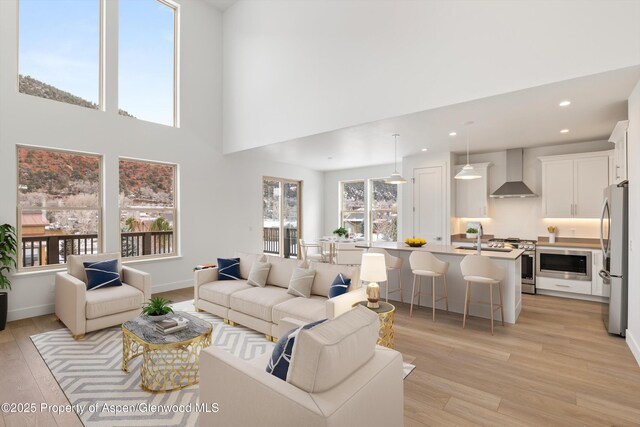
(442,249)
(462,238)
(569,242)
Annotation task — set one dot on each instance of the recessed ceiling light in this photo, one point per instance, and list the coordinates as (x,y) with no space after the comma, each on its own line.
(424,149)
(452,133)
(564,131)
(330,158)
(565,103)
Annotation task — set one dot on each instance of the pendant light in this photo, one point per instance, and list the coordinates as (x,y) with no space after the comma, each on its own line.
(395,177)
(468,172)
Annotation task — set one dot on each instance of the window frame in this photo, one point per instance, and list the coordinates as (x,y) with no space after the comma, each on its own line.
(19,209)
(281,182)
(371,210)
(342,211)
(101,58)
(175,7)
(175,209)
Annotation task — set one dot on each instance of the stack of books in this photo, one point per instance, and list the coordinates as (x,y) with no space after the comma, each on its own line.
(169,326)
(203,266)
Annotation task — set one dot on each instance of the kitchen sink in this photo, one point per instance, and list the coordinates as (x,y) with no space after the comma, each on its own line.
(466,248)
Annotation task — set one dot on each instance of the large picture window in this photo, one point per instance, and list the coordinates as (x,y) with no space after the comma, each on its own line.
(59,50)
(369,208)
(148,213)
(59,205)
(148,52)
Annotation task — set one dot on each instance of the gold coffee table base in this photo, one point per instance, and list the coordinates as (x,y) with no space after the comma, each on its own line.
(165,367)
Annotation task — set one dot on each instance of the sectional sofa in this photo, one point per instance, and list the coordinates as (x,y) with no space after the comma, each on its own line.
(265,309)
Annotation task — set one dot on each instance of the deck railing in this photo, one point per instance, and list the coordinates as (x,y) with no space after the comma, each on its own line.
(271,241)
(54,249)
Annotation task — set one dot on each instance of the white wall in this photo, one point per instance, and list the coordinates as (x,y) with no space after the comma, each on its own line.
(296,68)
(220,197)
(523,217)
(332,192)
(633,331)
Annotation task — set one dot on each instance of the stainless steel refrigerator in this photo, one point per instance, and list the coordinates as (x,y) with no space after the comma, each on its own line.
(614,240)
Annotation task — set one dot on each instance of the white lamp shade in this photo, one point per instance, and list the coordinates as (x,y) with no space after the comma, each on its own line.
(373,268)
(395,178)
(468,172)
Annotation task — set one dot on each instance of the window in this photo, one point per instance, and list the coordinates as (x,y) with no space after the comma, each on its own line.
(281,208)
(383,210)
(353,206)
(147,208)
(59,51)
(147,87)
(370,208)
(59,205)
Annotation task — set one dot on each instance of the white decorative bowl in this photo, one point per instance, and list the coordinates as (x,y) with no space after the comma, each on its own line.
(159,318)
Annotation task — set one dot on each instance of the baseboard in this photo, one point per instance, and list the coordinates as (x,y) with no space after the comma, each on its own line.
(166,287)
(26,312)
(633,345)
(40,310)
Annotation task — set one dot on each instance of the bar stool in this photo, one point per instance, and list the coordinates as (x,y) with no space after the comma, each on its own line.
(426,264)
(393,263)
(480,269)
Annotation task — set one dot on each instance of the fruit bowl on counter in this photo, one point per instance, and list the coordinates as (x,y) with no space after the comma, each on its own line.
(415,242)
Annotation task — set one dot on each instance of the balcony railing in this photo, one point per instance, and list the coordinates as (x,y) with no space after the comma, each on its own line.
(271,241)
(47,250)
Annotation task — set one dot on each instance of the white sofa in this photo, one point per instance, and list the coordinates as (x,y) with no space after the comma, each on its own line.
(338,377)
(262,309)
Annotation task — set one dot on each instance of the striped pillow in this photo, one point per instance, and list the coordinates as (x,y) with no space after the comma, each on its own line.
(339,286)
(102,274)
(228,268)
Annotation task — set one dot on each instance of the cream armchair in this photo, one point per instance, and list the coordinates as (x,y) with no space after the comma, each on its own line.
(338,377)
(85,311)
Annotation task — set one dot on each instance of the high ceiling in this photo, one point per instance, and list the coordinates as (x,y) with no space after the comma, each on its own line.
(526,118)
(221,5)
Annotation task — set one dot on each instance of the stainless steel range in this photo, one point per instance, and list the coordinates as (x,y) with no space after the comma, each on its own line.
(528,259)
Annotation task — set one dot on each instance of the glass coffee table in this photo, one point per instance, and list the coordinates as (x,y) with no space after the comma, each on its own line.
(169,362)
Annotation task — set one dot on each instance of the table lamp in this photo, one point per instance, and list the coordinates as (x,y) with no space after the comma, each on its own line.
(373,270)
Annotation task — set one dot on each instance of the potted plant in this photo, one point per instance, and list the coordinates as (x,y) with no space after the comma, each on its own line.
(552,229)
(157,309)
(340,232)
(8,252)
(472,233)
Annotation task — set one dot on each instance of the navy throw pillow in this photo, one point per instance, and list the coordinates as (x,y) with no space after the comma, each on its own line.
(339,286)
(228,268)
(281,356)
(102,274)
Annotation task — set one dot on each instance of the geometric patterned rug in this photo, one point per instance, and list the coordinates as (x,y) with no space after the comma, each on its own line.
(89,372)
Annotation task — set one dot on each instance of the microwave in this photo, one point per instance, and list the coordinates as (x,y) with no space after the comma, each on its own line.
(564,264)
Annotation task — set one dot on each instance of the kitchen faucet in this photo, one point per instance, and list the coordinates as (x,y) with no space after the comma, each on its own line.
(479,238)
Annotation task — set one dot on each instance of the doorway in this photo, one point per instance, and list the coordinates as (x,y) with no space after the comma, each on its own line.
(429,204)
(281,216)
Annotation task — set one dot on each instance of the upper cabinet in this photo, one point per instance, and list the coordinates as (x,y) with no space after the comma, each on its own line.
(619,137)
(572,185)
(472,195)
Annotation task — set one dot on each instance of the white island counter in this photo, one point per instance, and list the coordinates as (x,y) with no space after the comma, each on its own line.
(511,285)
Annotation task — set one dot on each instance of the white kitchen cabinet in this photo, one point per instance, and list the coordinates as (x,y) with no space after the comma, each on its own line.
(472,195)
(598,287)
(572,184)
(619,138)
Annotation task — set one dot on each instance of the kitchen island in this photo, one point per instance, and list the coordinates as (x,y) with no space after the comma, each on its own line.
(456,285)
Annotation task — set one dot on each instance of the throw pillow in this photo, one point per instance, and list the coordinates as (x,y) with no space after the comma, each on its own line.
(228,268)
(301,282)
(259,273)
(102,274)
(281,356)
(339,286)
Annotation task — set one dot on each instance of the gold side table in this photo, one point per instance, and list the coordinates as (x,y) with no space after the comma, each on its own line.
(169,362)
(385,314)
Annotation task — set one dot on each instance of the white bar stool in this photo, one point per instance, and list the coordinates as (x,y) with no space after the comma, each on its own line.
(393,263)
(480,269)
(426,264)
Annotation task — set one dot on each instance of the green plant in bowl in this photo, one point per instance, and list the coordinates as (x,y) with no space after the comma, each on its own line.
(341,231)
(472,230)
(157,308)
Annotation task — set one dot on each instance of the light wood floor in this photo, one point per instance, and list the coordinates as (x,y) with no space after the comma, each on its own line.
(557,366)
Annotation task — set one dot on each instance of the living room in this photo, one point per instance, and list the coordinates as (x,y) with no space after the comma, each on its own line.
(312,93)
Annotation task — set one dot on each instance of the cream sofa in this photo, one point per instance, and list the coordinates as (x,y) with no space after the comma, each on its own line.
(262,309)
(338,377)
(85,311)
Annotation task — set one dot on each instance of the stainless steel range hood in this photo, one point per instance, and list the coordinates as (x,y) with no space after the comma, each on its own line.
(514,187)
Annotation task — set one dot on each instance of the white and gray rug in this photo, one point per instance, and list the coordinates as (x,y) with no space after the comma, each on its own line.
(89,373)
